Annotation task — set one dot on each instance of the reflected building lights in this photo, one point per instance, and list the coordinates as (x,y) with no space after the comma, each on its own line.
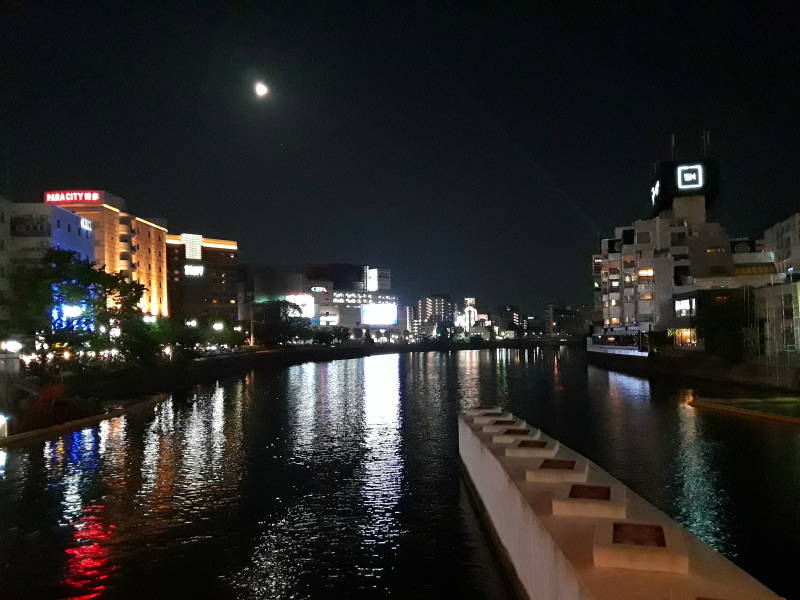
(702,500)
(383,469)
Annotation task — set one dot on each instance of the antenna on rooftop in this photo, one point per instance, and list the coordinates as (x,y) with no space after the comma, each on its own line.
(706,142)
(672,145)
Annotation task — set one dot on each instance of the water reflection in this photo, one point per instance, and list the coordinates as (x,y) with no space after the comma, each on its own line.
(382,476)
(341,479)
(344,423)
(702,505)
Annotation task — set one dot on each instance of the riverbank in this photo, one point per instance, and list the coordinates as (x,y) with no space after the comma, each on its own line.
(695,366)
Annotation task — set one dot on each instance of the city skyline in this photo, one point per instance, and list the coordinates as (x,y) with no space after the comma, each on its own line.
(413,139)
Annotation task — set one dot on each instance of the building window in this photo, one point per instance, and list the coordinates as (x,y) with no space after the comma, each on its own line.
(646,296)
(684,308)
(648,272)
(58,223)
(715,250)
(642,237)
(686,338)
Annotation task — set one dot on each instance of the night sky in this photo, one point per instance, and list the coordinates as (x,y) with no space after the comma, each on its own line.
(475,151)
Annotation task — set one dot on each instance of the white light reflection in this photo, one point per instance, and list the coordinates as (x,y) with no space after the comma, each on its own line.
(383,467)
(469,378)
(701,498)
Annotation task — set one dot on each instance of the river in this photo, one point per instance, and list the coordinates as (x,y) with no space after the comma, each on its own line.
(341,479)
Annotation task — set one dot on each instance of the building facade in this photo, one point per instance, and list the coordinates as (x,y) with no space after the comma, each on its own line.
(202,276)
(777,311)
(646,277)
(352,306)
(35,228)
(783,239)
(123,243)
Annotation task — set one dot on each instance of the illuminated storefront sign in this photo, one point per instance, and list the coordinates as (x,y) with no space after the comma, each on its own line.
(379,314)
(319,288)
(194,270)
(690,177)
(57,196)
(86,224)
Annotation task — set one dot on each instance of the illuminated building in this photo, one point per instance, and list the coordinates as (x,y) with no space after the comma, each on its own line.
(320,301)
(366,309)
(37,227)
(202,276)
(123,243)
(435,308)
(645,276)
(783,239)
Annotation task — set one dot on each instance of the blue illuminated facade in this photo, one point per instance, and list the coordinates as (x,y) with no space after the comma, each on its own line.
(37,227)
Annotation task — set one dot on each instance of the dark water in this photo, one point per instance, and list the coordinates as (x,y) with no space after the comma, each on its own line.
(340,480)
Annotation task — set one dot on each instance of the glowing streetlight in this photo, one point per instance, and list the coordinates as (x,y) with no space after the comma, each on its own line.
(261,89)
(11,346)
(218,326)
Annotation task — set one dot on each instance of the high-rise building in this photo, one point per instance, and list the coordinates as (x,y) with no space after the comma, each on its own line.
(783,239)
(647,274)
(435,308)
(202,276)
(123,243)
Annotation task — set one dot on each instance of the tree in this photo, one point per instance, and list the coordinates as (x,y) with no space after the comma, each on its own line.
(323,336)
(445,330)
(340,334)
(273,321)
(68,303)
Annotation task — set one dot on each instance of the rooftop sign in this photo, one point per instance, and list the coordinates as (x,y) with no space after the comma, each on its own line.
(59,196)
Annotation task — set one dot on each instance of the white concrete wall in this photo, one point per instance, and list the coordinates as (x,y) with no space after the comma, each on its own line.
(554,555)
(542,569)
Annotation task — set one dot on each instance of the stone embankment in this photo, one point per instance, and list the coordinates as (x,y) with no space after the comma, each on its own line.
(568,530)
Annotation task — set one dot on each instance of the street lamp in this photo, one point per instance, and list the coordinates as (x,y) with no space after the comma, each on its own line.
(12,346)
(218,326)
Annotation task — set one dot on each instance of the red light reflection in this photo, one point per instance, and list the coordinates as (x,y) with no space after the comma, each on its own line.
(88,564)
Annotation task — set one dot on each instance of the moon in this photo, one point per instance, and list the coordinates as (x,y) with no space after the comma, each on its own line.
(261,89)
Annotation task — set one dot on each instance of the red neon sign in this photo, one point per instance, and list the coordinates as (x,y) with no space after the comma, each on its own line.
(58,196)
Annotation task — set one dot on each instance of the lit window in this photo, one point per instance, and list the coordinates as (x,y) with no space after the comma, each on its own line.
(615,283)
(684,308)
(646,296)
(685,337)
(648,272)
